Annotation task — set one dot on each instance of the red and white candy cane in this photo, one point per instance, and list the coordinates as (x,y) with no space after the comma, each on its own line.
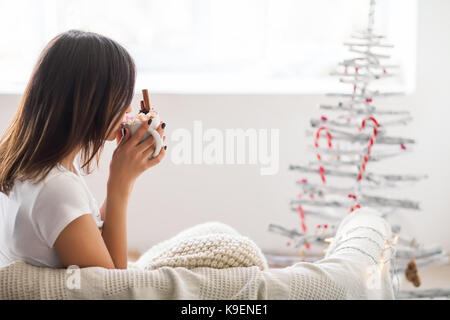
(355,205)
(371,143)
(316,143)
(300,209)
(302,217)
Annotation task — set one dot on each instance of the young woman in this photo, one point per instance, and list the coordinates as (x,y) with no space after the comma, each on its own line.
(79,92)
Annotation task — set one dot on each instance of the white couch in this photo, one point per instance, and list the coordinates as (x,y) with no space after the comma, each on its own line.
(212,261)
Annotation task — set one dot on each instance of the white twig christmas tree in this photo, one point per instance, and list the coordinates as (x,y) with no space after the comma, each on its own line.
(352,134)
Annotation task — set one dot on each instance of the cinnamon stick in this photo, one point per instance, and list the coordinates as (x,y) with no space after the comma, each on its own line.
(143,107)
(146,100)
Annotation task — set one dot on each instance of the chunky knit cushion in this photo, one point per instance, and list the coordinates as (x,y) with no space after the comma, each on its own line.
(212,244)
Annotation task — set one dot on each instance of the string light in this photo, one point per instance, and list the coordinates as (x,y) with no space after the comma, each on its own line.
(329,240)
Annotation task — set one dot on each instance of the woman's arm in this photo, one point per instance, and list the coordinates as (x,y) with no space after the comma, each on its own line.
(114,231)
(81,243)
(103,210)
(130,159)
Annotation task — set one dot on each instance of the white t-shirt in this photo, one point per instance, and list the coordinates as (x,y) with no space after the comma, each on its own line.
(43,211)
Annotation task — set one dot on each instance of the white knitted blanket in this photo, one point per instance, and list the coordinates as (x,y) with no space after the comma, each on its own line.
(212,261)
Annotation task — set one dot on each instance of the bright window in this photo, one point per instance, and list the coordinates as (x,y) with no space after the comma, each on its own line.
(213,46)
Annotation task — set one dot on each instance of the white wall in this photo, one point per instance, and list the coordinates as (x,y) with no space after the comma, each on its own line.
(170,198)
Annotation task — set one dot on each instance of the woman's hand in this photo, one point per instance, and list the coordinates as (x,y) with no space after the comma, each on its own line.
(131,158)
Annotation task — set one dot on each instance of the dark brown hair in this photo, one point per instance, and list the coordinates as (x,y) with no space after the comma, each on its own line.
(80,87)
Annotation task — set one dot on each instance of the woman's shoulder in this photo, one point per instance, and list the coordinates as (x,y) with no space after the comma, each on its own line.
(60,200)
(50,204)
(60,175)
(60,190)
(62,182)
(56,178)
(58,184)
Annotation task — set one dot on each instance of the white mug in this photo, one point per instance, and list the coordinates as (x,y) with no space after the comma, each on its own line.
(151,131)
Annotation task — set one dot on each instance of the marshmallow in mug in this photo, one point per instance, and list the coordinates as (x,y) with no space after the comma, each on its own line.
(134,122)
